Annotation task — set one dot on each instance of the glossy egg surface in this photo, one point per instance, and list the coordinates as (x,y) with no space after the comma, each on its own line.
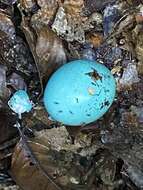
(79,92)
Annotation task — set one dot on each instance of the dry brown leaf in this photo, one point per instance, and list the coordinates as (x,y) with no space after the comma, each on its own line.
(98,5)
(68,21)
(44,15)
(73,7)
(50,4)
(139,52)
(106,167)
(8,137)
(27,5)
(50,52)
(6,26)
(44,167)
(26,174)
(7,131)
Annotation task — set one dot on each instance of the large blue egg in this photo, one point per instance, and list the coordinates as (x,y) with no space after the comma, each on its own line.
(79,92)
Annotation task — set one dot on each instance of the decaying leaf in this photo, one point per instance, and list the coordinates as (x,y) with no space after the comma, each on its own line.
(138,111)
(8,138)
(47,49)
(41,165)
(50,4)
(111,16)
(68,23)
(46,14)
(106,167)
(6,26)
(17,82)
(134,3)
(132,167)
(85,157)
(8,2)
(4,93)
(135,175)
(130,75)
(26,173)
(73,7)
(27,5)
(14,53)
(139,52)
(7,131)
(92,5)
(50,52)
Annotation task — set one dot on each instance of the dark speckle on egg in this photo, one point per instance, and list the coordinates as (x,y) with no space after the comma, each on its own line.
(77,100)
(102,106)
(106,90)
(94,75)
(71,112)
(56,102)
(93,83)
(106,103)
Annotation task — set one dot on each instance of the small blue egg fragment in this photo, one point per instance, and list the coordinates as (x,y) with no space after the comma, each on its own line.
(20,102)
(79,92)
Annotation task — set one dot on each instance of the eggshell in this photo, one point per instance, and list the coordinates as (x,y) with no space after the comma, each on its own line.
(20,102)
(79,92)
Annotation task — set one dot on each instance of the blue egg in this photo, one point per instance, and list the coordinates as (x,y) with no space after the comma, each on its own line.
(79,92)
(20,102)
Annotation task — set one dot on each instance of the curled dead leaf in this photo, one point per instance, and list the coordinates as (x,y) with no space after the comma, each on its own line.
(26,174)
(17,82)
(139,52)
(50,52)
(68,22)
(93,6)
(106,167)
(50,4)
(45,15)
(4,92)
(6,26)
(8,139)
(42,166)
(7,131)
(27,5)
(73,7)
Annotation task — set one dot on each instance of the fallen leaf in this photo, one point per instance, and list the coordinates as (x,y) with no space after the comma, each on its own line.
(106,167)
(38,164)
(50,51)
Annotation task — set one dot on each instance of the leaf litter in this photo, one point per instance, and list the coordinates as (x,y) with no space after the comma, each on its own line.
(36,38)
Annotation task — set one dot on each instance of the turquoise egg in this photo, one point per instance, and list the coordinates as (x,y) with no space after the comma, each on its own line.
(20,102)
(79,92)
